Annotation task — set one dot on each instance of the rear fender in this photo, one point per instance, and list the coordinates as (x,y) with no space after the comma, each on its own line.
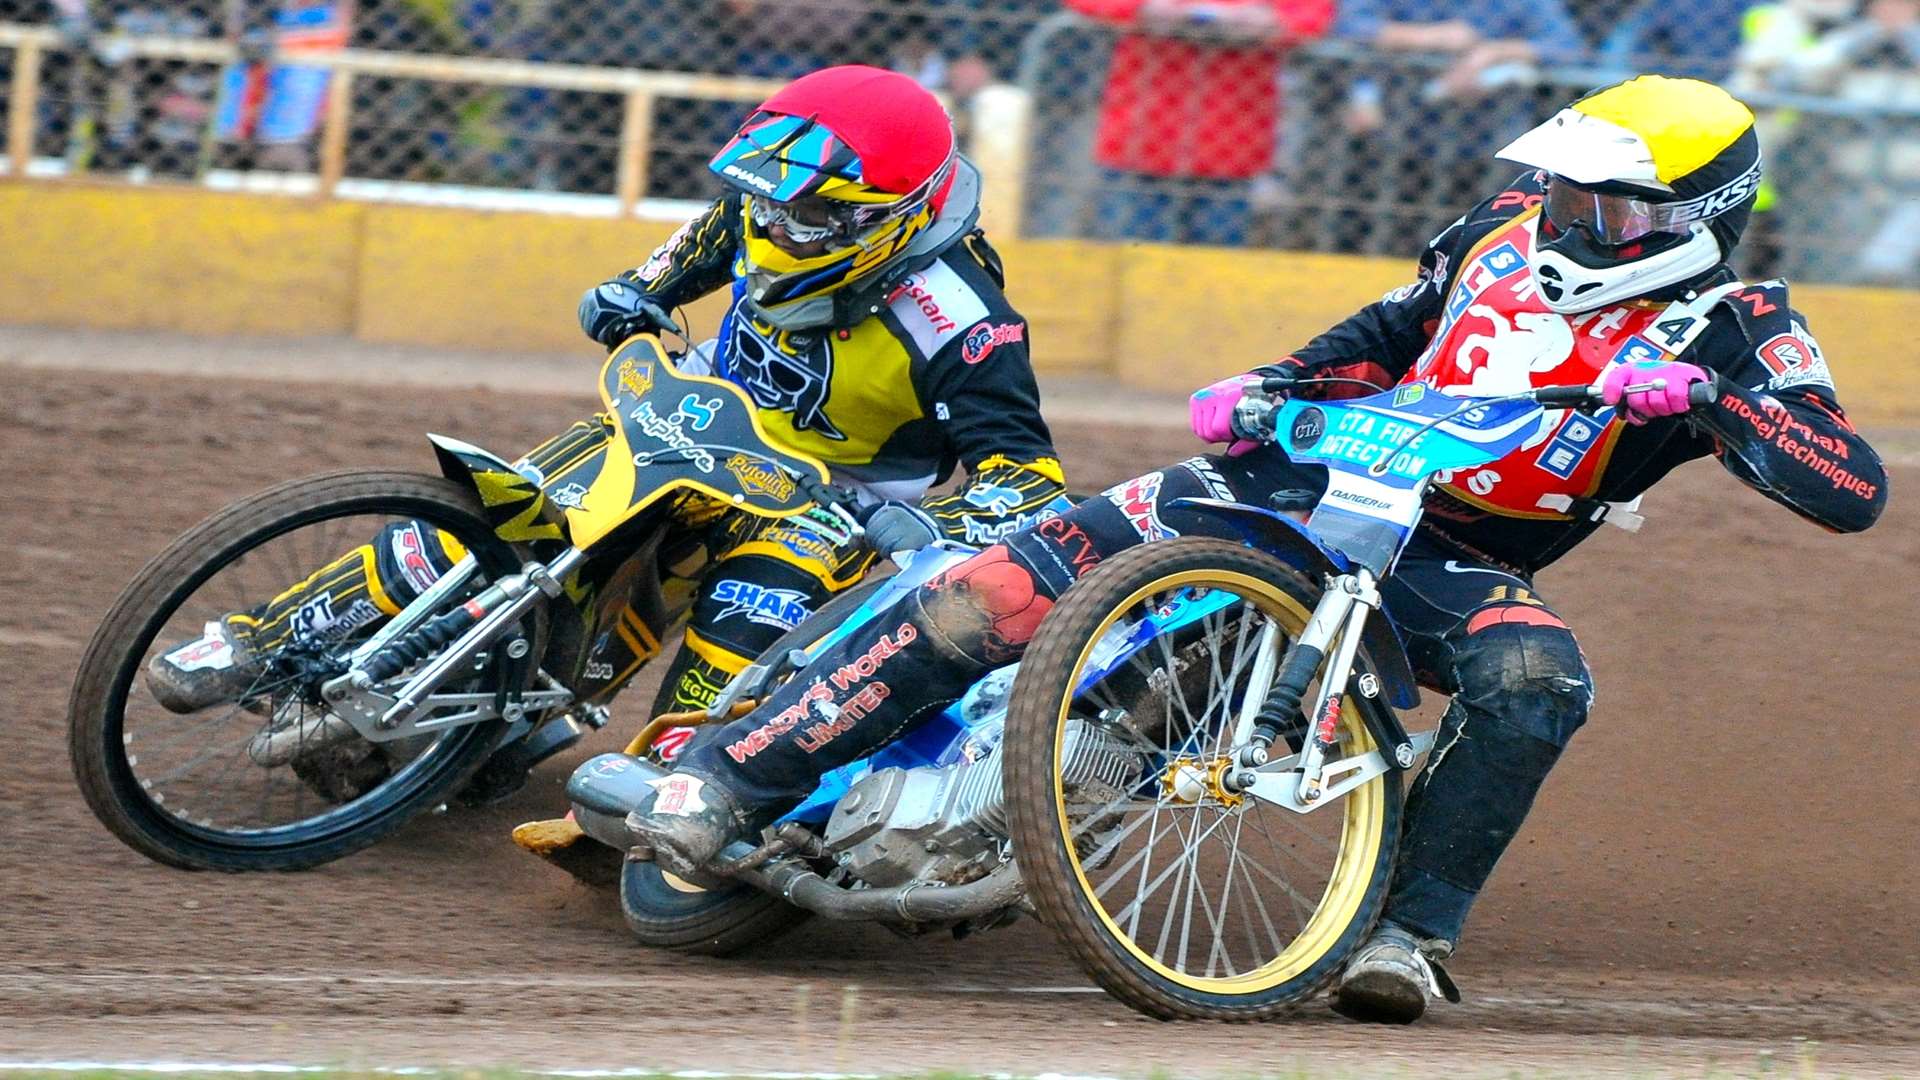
(1294,544)
(516,507)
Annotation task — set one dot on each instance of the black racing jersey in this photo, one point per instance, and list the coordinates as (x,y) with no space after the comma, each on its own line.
(936,375)
(1775,422)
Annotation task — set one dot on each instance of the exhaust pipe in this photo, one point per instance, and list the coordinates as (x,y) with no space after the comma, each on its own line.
(914,902)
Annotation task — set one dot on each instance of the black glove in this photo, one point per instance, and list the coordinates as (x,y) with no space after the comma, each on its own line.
(613,311)
(897,526)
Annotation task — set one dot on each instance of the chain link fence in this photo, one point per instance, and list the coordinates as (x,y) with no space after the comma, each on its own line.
(1326,125)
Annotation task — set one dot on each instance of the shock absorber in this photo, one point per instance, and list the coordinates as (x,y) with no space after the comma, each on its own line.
(1281,709)
(431,636)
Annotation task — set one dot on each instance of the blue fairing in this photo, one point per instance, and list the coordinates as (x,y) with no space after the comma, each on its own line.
(931,740)
(1235,514)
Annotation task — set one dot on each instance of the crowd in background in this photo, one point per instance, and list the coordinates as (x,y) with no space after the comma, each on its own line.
(1341,125)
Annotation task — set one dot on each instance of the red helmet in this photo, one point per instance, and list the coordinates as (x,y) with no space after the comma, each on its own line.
(855,156)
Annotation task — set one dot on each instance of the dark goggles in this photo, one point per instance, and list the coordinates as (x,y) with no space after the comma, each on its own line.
(1612,219)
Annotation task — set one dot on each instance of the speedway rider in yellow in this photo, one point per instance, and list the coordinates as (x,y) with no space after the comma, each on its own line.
(867,324)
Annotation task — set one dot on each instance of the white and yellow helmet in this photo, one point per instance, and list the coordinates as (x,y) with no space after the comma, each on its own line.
(1650,183)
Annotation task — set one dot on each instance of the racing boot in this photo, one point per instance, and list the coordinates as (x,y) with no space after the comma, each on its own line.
(685,823)
(1393,976)
(219,666)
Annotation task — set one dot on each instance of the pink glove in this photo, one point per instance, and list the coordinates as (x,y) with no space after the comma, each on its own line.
(1210,412)
(1643,405)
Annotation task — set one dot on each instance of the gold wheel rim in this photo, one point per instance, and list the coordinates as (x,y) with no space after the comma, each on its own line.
(1360,835)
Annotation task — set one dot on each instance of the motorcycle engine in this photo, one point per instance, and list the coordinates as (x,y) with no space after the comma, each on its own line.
(947,823)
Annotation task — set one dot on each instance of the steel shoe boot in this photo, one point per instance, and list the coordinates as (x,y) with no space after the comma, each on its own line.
(219,666)
(1392,977)
(684,823)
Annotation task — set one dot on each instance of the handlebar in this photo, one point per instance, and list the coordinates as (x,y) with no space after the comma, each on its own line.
(1253,416)
(1586,397)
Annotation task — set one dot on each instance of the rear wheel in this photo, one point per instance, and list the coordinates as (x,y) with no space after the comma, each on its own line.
(1179,896)
(219,788)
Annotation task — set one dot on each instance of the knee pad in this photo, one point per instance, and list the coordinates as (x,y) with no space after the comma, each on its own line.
(409,556)
(985,610)
(1522,665)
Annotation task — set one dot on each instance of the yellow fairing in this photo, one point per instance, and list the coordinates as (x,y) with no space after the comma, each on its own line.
(1361,833)
(612,498)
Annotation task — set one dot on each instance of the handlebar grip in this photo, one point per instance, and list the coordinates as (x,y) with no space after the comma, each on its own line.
(1565,395)
(1277,384)
(1701,393)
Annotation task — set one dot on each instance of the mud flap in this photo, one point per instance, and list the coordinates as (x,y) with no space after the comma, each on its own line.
(515,505)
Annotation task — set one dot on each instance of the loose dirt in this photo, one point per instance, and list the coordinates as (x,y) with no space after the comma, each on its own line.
(1722,872)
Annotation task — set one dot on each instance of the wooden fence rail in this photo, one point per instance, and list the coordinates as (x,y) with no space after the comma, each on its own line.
(996,150)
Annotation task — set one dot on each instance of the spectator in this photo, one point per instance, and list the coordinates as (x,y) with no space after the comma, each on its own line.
(1662,37)
(269,115)
(1191,110)
(1775,40)
(1419,133)
(1866,155)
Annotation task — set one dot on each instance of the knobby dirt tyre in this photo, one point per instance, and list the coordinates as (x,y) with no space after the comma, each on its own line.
(1062,890)
(112,660)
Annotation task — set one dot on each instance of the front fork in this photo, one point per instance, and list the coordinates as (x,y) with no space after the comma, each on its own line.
(465,632)
(1331,639)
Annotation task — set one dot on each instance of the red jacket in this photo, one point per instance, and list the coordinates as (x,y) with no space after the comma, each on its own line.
(1180,107)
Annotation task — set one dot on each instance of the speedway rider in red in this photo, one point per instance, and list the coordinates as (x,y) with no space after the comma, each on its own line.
(1637,195)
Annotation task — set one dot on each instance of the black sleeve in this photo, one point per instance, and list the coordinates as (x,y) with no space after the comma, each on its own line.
(983,382)
(1777,425)
(695,260)
(1380,342)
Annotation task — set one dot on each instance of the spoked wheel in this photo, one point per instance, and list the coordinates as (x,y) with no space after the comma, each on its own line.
(261,775)
(1180,896)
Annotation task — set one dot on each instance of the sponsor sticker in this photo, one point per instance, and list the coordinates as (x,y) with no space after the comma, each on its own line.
(1307,428)
(570,495)
(636,378)
(211,651)
(679,795)
(784,608)
(758,478)
(986,337)
(672,431)
(1793,359)
(1136,500)
(410,551)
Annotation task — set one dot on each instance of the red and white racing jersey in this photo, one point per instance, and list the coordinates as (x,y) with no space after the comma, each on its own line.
(1496,336)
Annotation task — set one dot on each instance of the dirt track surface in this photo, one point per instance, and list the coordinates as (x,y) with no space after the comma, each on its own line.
(1700,884)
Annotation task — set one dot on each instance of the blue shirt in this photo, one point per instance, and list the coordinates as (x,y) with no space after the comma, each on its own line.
(1546,24)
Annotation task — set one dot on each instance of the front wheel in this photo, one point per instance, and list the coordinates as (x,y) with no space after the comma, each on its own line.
(1180,896)
(262,776)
